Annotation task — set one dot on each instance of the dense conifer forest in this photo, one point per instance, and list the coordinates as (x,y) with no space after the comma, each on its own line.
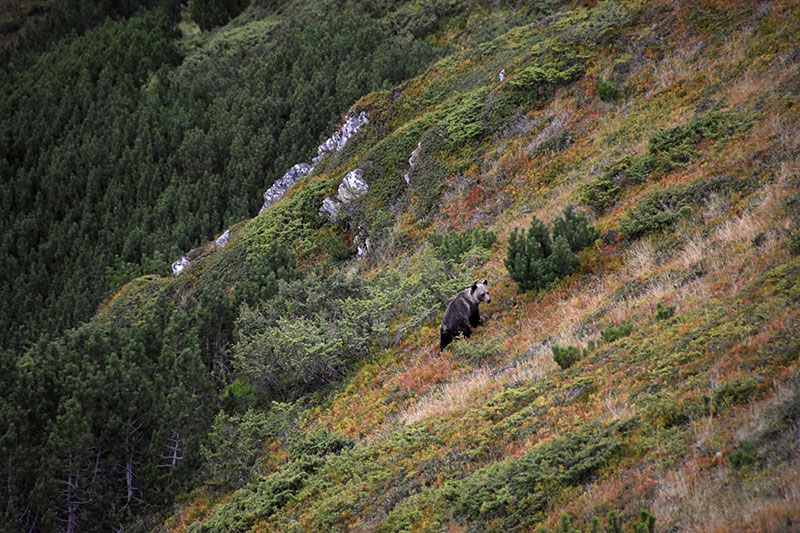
(624,173)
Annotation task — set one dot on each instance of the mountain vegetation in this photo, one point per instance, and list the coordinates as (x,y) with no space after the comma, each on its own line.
(626,174)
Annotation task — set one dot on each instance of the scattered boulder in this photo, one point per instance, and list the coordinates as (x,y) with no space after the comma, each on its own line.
(330,209)
(352,187)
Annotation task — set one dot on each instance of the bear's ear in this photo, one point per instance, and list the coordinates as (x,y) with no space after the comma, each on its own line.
(485,281)
(473,288)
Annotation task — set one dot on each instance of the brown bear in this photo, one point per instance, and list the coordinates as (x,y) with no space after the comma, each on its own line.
(462,314)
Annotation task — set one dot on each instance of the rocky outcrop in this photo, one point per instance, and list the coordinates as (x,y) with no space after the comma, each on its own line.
(411,162)
(330,209)
(363,245)
(222,240)
(282,185)
(179,265)
(351,126)
(352,187)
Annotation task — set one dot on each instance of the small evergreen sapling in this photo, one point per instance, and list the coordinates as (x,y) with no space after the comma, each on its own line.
(575,229)
(535,259)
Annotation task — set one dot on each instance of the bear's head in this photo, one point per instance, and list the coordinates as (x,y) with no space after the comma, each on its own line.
(480,292)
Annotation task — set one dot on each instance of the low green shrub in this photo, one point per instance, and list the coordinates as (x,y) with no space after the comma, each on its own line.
(613,522)
(676,147)
(514,494)
(565,357)
(664,312)
(735,392)
(794,243)
(600,193)
(575,229)
(646,522)
(454,246)
(477,352)
(334,244)
(534,84)
(235,444)
(746,454)
(607,91)
(264,270)
(611,333)
(654,212)
(212,13)
(565,526)
(464,122)
(320,443)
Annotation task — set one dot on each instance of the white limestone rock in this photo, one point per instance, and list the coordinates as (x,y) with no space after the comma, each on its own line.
(351,126)
(362,246)
(282,185)
(222,240)
(411,162)
(353,186)
(330,209)
(179,265)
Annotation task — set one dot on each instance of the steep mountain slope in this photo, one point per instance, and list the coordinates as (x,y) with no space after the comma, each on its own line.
(308,343)
(128,145)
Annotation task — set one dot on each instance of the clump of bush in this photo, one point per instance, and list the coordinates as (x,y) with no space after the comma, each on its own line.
(645,523)
(536,83)
(668,149)
(746,454)
(464,122)
(233,448)
(514,493)
(676,147)
(477,352)
(735,392)
(212,13)
(313,330)
(664,312)
(601,193)
(607,91)
(566,356)
(611,333)
(656,211)
(535,258)
(453,246)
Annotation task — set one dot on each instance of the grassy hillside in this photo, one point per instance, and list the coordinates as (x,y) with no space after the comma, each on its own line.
(285,382)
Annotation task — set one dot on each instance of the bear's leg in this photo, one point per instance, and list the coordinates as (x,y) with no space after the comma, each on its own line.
(445,339)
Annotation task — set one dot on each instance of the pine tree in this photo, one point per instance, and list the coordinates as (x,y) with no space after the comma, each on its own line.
(575,229)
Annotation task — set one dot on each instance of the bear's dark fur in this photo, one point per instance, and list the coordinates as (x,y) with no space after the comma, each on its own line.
(462,314)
